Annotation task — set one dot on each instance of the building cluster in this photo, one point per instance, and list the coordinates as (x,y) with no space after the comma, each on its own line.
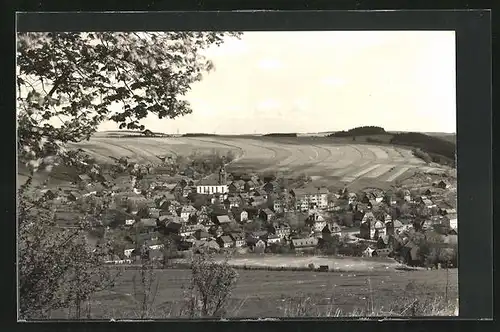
(215,213)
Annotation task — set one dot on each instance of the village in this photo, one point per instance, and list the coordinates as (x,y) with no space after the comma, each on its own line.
(160,214)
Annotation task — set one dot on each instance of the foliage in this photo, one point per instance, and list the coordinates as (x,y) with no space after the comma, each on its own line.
(422,155)
(359,131)
(56,267)
(211,285)
(281,135)
(430,145)
(76,79)
(146,286)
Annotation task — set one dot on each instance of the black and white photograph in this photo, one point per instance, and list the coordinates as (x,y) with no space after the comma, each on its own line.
(236,174)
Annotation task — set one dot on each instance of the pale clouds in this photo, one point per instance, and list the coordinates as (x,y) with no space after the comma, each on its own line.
(321,81)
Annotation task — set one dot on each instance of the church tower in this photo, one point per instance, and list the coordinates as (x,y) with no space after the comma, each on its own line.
(222,175)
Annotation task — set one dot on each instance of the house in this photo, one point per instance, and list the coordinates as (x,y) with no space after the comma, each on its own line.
(407,195)
(187,190)
(367,223)
(172,227)
(201,235)
(225,241)
(352,198)
(73,196)
(261,192)
(188,230)
(424,201)
(441,184)
(393,227)
(259,245)
(272,239)
(257,201)
(187,212)
(222,220)
(129,221)
(84,178)
(239,215)
(266,215)
(331,229)
(147,223)
(154,212)
(236,186)
(128,251)
(153,244)
(233,202)
(382,252)
(238,239)
(379,196)
(410,253)
(310,197)
(373,203)
(250,185)
(278,205)
(309,243)
(215,231)
(271,187)
(378,230)
(283,231)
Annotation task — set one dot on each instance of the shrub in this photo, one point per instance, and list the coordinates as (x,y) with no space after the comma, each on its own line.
(210,287)
(422,155)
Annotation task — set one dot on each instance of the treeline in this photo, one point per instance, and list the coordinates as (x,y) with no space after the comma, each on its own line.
(360,131)
(198,135)
(281,135)
(431,148)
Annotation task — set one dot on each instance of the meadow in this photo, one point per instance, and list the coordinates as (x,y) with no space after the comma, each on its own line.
(261,293)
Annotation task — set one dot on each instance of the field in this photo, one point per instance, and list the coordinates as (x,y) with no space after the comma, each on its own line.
(326,160)
(265,293)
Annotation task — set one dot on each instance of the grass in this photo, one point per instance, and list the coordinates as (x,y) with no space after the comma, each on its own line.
(261,293)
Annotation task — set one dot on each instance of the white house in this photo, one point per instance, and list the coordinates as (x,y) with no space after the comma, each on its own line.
(273,239)
(244,216)
(306,197)
(128,252)
(187,212)
(129,221)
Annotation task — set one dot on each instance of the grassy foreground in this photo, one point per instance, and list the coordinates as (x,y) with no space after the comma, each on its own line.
(261,294)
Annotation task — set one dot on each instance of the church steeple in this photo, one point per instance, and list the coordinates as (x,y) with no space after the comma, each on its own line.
(222,175)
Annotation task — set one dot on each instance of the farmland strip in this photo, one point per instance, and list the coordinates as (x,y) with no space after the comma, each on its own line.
(378,172)
(378,152)
(397,174)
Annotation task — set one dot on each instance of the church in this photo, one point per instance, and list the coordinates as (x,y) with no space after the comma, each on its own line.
(213,185)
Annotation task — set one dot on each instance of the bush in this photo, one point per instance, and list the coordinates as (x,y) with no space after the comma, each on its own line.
(422,155)
(210,287)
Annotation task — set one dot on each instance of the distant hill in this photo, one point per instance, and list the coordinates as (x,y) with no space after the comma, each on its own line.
(440,150)
(441,147)
(129,133)
(198,135)
(360,131)
(281,135)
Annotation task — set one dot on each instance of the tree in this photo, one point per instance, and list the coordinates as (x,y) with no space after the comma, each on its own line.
(68,83)
(77,79)
(56,267)
(211,285)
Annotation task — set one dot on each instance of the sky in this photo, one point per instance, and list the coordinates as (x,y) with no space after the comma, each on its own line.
(316,81)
